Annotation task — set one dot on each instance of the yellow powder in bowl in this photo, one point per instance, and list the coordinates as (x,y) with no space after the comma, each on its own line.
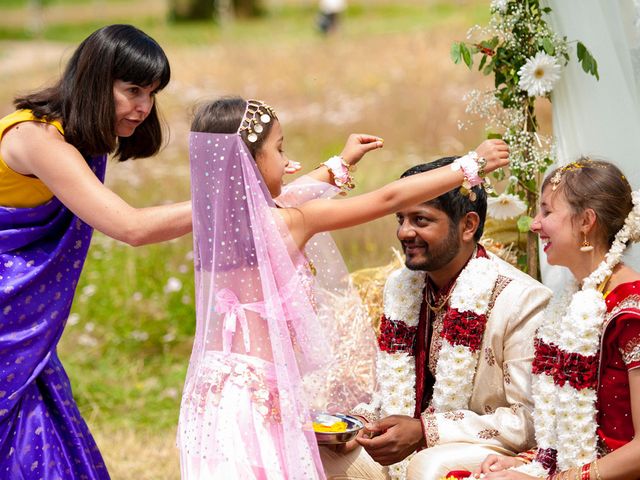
(336,427)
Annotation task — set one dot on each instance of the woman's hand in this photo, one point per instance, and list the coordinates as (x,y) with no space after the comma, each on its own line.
(497,463)
(357,145)
(495,152)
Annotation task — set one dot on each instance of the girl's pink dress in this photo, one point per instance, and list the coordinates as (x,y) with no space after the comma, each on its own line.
(269,349)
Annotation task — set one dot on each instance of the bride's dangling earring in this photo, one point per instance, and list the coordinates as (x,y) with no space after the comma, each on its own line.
(586,246)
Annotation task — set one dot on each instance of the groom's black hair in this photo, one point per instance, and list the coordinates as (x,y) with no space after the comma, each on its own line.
(453,203)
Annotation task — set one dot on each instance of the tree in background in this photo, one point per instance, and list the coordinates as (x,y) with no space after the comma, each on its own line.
(188,10)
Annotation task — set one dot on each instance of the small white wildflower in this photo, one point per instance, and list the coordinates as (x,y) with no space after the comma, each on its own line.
(73,319)
(87,340)
(173,285)
(89,290)
(169,337)
(139,335)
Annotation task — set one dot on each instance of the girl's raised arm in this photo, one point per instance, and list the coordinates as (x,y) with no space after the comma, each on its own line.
(325,215)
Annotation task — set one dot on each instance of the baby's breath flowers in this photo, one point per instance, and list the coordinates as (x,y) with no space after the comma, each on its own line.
(526,58)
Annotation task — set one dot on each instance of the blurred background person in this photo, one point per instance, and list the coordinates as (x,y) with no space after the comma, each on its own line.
(329,15)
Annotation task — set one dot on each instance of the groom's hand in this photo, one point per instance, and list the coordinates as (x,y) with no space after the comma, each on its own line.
(396,438)
(348,447)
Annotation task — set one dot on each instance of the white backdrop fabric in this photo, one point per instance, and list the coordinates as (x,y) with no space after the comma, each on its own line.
(598,118)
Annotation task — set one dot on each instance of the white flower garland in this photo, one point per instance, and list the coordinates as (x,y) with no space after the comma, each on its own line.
(564,417)
(457,363)
(395,372)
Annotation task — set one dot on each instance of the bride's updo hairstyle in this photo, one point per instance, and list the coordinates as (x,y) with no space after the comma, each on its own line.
(224,116)
(598,185)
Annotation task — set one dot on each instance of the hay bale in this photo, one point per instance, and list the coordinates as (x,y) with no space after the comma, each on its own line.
(370,285)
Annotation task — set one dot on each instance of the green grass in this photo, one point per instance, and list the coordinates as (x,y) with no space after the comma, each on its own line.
(285,24)
(130,336)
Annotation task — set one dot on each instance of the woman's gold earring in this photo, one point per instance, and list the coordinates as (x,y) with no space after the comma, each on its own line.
(586,246)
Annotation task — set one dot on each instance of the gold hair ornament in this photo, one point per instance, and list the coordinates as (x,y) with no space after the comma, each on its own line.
(556,178)
(256,116)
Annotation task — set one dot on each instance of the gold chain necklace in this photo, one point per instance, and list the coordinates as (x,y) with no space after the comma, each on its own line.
(437,308)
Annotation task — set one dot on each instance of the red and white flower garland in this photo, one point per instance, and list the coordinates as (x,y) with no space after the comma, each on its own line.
(462,332)
(565,366)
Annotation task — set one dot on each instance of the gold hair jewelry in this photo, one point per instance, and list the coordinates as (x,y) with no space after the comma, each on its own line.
(256,116)
(556,178)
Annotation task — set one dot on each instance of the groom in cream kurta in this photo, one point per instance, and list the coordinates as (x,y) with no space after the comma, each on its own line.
(415,434)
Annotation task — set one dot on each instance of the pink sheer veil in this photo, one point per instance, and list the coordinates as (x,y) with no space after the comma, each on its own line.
(349,378)
(247,300)
(257,300)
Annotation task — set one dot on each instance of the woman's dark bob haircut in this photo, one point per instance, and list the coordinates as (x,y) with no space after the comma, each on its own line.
(83,98)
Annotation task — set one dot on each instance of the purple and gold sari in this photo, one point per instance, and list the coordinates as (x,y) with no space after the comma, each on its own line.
(42,435)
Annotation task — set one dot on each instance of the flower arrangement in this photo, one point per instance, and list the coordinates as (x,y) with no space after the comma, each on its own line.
(526,58)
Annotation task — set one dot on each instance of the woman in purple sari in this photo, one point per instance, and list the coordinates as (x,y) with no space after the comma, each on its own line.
(53,152)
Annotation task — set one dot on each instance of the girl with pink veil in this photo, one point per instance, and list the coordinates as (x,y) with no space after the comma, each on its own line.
(278,337)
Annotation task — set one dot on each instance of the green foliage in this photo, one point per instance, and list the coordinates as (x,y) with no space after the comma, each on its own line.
(524,56)
(524,223)
(587,61)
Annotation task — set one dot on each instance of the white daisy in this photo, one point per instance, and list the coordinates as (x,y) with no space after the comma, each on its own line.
(505,206)
(539,74)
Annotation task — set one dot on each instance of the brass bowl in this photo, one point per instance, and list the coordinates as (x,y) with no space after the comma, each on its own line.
(354,425)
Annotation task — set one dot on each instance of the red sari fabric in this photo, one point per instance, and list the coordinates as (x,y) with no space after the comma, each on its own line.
(620,353)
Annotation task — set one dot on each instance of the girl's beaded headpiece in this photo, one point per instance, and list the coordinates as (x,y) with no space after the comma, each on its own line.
(256,116)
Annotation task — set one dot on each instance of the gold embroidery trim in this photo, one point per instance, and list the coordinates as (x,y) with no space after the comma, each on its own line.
(631,351)
(430,424)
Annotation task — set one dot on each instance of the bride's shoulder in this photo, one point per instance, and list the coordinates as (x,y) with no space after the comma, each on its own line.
(625,276)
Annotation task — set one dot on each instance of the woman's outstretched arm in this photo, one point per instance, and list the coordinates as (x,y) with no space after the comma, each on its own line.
(38,149)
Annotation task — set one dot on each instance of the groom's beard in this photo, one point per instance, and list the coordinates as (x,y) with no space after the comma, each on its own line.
(435,255)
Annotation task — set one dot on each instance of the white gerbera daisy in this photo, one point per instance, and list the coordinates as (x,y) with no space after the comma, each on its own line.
(539,74)
(505,206)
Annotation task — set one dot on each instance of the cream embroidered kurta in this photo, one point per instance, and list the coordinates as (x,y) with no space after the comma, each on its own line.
(499,412)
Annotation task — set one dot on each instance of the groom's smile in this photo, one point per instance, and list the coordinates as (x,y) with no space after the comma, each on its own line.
(427,237)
